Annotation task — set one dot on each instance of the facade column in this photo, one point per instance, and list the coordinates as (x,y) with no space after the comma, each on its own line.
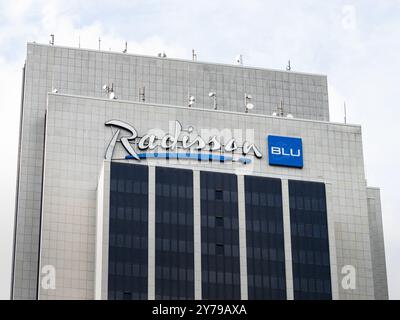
(151,234)
(242,238)
(287,240)
(197,234)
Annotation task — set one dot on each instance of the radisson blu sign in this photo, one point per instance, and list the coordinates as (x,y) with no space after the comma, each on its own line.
(184,143)
(285,151)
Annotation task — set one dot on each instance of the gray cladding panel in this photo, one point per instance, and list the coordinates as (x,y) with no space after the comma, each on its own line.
(76,144)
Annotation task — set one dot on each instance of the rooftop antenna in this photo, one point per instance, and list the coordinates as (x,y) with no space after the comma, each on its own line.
(110,91)
(142,94)
(280,112)
(345,113)
(288,67)
(280,108)
(194,55)
(51,42)
(126,47)
(99,43)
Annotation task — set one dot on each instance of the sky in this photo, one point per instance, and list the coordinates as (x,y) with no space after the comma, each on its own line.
(355,43)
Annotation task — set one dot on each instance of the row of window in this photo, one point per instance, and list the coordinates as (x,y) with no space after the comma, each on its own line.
(173,218)
(220,254)
(174,273)
(309,230)
(220,257)
(130,186)
(129,213)
(307,203)
(212,248)
(312,285)
(219,221)
(264,235)
(311,257)
(128,241)
(127,269)
(269,254)
(263,199)
(310,246)
(174,233)
(218,194)
(168,190)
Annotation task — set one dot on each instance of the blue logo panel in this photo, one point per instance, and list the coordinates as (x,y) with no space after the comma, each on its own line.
(285,151)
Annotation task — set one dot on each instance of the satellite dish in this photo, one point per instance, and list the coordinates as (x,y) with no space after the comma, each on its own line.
(274,114)
(211,94)
(289,115)
(54,90)
(191,100)
(250,106)
(105,87)
(112,95)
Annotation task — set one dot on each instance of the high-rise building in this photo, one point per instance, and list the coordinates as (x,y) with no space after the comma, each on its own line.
(155,178)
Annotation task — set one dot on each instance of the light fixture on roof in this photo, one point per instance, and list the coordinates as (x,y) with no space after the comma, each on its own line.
(247,103)
(214,96)
(126,47)
(110,91)
(51,42)
(192,100)
(239,60)
(162,55)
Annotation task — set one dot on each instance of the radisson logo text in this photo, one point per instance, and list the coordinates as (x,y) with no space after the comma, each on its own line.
(189,144)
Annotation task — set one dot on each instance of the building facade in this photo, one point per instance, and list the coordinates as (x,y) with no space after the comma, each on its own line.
(127,191)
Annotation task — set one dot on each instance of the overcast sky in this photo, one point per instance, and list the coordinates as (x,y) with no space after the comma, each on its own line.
(355,43)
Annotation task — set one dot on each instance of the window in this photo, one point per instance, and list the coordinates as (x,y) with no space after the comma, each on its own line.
(174,234)
(264,237)
(310,246)
(219,249)
(128,235)
(127,295)
(219,221)
(219,236)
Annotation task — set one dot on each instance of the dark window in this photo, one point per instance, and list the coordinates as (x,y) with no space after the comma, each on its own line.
(127,273)
(219,221)
(310,246)
(219,195)
(219,249)
(219,236)
(127,295)
(264,237)
(174,234)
